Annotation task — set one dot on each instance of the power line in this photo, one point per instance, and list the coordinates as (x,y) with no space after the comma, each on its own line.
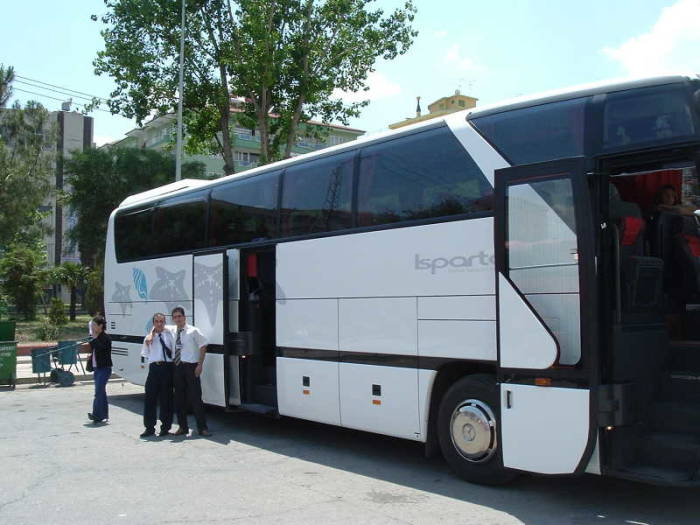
(60,87)
(53,98)
(53,90)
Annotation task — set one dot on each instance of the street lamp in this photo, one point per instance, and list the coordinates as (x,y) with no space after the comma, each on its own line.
(178,147)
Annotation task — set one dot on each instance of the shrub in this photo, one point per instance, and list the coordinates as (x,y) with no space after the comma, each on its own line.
(47,330)
(57,313)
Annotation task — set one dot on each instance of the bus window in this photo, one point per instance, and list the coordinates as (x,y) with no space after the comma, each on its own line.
(244,210)
(133,234)
(543,257)
(646,115)
(427,174)
(180,223)
(317,196)
(536,134)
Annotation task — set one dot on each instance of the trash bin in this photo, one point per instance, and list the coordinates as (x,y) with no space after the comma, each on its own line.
(67,353)
(7,330)
(8,363)
(41,361)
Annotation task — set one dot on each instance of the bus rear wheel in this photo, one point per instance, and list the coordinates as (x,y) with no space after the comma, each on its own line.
(468,431)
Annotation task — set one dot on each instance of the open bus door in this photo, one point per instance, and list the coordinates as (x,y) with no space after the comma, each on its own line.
(210,315)
(547,343)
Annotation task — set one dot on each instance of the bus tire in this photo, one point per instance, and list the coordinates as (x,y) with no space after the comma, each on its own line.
(468,431)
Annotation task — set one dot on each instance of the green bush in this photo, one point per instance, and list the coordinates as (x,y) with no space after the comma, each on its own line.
(47,330)
(57,313)
(4,307)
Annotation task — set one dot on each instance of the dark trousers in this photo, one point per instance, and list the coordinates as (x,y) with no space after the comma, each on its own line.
(159,394)
(188,390)
(100,408)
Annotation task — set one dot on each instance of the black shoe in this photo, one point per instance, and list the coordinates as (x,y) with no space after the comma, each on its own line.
(91,417)
(147,433)
(181,432)
(164,433)
(205,433)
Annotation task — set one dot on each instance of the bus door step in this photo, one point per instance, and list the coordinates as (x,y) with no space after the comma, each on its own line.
(259,408)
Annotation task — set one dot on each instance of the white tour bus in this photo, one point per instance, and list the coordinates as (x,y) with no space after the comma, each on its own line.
(516,286)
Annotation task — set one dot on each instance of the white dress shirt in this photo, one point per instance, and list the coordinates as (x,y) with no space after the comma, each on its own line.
(192,340)
(155,352)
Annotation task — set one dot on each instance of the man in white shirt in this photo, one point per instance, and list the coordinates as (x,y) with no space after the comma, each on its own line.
(188,357)
(157,350)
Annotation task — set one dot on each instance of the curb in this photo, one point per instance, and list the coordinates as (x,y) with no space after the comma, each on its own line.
(82,378)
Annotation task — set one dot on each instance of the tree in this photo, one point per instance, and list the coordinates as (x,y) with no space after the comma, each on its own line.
(72,275)
(7,76)
(23,275)
(101,179)
(26,166)
(284,57)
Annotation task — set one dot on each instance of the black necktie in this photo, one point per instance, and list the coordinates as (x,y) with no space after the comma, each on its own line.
(166,350)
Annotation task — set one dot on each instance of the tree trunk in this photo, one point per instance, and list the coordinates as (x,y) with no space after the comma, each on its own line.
(227,149)
(72,303)
(293,126)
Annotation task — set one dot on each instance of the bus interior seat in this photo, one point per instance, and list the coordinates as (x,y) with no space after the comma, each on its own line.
(687,243)
(641,276)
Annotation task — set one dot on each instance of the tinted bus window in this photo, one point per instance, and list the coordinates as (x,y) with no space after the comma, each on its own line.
(180,223)
(646,115)
(133,236)
(537,134)
(317,196)
(423,175)
(244,210)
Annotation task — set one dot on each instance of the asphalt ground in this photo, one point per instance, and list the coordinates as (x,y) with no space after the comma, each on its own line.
(56,467)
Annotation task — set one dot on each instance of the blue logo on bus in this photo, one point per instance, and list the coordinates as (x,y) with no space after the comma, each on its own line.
(140,283)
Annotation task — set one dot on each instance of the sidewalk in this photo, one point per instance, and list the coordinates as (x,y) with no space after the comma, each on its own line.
(25,375)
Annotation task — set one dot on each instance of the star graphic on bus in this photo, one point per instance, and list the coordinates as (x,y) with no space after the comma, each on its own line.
(122,295)
(208,287)
(169,287)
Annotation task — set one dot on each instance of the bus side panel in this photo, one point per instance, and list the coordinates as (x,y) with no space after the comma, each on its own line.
(308,389)
(126,361)
(532,421)
(389,409)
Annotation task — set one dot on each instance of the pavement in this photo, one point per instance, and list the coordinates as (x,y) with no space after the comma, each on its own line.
(59,468)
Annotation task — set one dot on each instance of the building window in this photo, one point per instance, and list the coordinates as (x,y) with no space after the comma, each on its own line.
(334,140)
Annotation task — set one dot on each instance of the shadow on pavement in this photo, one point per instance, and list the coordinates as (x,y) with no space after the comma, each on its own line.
(577,500)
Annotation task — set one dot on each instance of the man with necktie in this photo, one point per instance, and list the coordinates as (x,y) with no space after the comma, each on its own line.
(157,349)
(188,358)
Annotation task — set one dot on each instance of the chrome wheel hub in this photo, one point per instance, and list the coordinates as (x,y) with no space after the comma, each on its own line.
(473,430)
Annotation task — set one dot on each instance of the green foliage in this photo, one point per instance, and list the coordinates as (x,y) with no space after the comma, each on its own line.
(94,291)
(285,57)
(4,307)
(73,276)
(47,331)
(25,167)
(23,276)
(7,75)
(57,312)
(101,179)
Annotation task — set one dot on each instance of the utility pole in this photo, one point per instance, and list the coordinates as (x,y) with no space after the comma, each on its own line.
(178,147)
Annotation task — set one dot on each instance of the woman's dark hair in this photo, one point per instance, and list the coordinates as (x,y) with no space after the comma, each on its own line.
(662,189)
(98,319)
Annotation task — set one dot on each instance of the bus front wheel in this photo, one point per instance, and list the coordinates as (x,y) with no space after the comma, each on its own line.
(468,430)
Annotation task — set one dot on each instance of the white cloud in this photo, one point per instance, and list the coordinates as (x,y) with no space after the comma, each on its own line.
(379,87)
(456,62)
(671,45)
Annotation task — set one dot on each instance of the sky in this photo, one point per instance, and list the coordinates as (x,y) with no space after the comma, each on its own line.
(489,49)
